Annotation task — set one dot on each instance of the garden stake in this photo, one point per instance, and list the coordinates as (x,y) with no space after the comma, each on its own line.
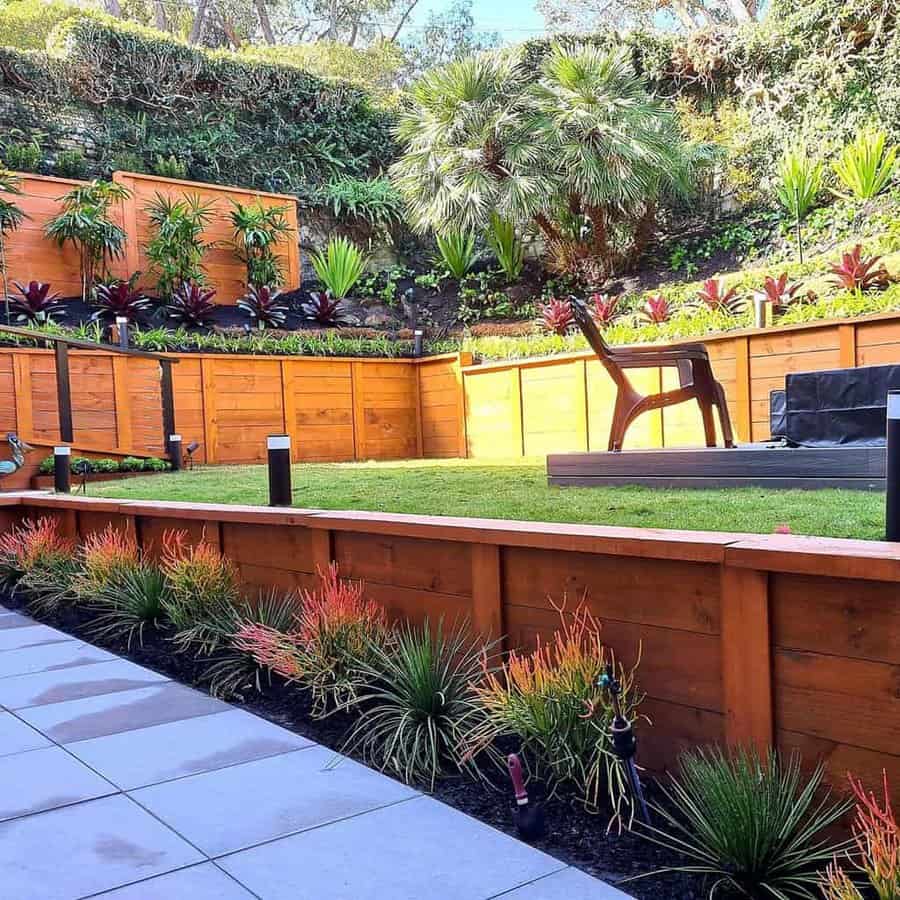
(529,817)
(624,742)
(797,221)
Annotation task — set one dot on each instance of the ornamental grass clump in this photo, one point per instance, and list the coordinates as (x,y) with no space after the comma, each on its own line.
(756,826)
(104,556)
(418,703)
(329,646)
(877,857)
(133,597)
(552,701)
(203,593)
(39,563)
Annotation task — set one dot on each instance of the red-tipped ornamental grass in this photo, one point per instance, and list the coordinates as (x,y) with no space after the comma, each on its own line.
(35,303)
(877,837)
(604,308)
(30,545)
(104,555)
(657,309)
(715,296)
(779,291)
(858,273)
(336,628)
(556,316)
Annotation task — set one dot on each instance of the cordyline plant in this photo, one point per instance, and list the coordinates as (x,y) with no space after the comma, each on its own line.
(552,701)
(715,296)
(556,316)
(334,634)
(604,308)
(120,299)
(858,274)
(191,304)
(656,310)
(264,306)
(877,857)
(779,291)
(35,303)
(258,230)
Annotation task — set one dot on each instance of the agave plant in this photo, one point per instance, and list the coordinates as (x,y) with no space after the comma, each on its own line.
(36,303)
(858,273)
(457,252)
(656,310)
(339,267)
(263,306)
(323,308)
(120,298)
(779,291)
(715,296)
(556,315)
(192,304)
(605,308)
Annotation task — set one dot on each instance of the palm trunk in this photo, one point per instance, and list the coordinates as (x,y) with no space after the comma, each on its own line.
(264,22)
(600,238)
(643,233)
(551,232)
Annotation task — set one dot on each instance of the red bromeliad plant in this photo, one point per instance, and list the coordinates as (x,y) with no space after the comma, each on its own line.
(877,837)
(715,296)
(192,304)
(779,291)
(323,308)
(336,632)
(857,273)
(263,306)
(605,308)
(556,316)
(36,303)
(120,299)
(104,556)
(551,699)
(656,310)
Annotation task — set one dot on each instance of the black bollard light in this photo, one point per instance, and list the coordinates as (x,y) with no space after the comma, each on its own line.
(174,448)
(122,328)
(418,342)
(279,448)
(62,470)
(892,468)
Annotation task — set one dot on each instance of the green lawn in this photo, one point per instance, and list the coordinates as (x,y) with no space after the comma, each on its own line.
(518,491)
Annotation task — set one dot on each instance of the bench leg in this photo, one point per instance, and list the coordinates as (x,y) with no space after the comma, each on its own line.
(724,417)
(709,425)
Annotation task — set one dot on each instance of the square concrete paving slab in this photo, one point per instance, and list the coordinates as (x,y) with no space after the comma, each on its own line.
(80,720)
(85,849)
(17,737)
(46,779)
(14,620)
(408,851)
(243,805)
(148,756)
(50,657)
(30,636)
(569,884)
(203,882)
(75,683)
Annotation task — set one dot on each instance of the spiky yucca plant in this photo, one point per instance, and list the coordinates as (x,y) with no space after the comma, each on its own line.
(866,165)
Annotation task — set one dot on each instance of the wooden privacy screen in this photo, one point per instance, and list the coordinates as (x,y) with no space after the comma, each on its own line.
(31,255)
(551,405)
(743,638)
(334,409)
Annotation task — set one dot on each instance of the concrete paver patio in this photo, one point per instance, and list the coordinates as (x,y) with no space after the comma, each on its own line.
(119,783)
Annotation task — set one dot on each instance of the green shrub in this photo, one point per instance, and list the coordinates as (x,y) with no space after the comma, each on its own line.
(105,465)
(506,246)
(155,464)
(169,166)
(372,201)
(70,164)
(756,826)
(457,252)
(417,703)
(799,181)
(26,24)
(866,165)
(26,156)
(131,464)
(258,230)
(47,466)
(134,598)
(339,267)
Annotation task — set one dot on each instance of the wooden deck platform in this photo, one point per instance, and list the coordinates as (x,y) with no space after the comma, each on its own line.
(751,465)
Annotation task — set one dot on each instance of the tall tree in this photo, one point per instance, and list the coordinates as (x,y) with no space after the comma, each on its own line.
(588,15)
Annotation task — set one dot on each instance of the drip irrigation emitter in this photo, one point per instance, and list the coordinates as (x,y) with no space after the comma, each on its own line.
(624,742)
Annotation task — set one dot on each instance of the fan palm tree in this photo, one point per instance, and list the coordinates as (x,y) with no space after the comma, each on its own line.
(581,151)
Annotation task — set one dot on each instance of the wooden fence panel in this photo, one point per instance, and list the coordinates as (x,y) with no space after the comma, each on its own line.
(441,408)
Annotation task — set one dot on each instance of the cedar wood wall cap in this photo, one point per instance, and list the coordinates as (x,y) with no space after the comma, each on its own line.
(831,557)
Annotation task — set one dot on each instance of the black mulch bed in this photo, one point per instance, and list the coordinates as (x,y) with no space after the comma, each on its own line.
(573,835)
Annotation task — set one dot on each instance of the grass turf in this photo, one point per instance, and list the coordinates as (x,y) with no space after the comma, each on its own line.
(516,490)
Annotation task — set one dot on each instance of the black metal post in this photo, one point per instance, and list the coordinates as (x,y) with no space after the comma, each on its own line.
(173,445)
(279,450)
(63,391)
(122,326)
(167,392)
(892,473)
(418,342)
(62,470)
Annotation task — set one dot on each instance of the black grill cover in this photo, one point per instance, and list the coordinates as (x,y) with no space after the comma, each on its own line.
(837,408)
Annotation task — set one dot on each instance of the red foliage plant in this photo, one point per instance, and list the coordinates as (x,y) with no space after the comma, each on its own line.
(192,304)
(31,544)
(657,309)
(336,626)
(857,273)
(556,316)
(120,299)
(36,303)
(779,291)
(605,308)
(324,309)
(877,837)
(716,296)
(104,554)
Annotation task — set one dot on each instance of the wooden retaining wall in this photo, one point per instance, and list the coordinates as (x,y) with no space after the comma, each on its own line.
(334,409)
(744,638)
(555,404)
(32,256)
